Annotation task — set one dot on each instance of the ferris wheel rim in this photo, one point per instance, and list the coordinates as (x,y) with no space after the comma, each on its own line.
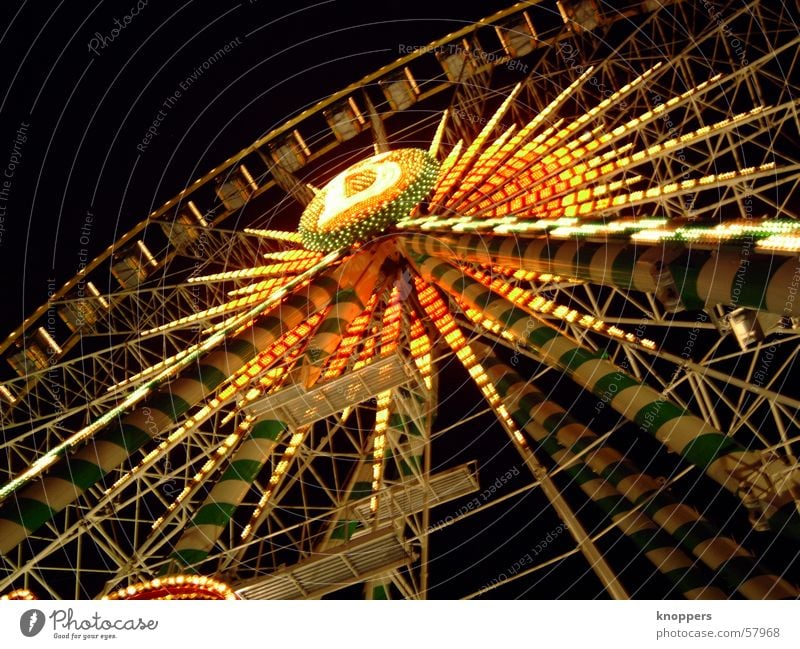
(401,235)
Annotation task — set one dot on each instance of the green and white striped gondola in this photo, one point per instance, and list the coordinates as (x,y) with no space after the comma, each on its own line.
(759,479)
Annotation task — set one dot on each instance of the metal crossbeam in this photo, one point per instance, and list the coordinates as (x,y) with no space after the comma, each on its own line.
(347,564)
(300,407)
(406,499)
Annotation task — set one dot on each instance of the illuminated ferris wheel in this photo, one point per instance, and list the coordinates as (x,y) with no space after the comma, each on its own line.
(587,218)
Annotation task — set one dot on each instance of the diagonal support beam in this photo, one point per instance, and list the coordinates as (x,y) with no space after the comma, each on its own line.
(443,320)
(617,486)
(766,484)
(702,278)
(116,438)
(326,572)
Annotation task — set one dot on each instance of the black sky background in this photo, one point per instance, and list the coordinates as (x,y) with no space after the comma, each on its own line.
(87,112)
(82,115)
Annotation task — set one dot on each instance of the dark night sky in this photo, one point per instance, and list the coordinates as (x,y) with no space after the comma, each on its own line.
(83,113)
(86,111)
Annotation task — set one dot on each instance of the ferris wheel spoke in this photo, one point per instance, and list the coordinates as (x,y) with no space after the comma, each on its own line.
(53,543)
(341,530)
(468,99)
(231,249)
(536,158)
(343,522)
(195,477)
(183,482)
(326,342)
(444,321)
(634,349)
(465,161)
(96,407)
(759,283)
(91,372)
(741,412)
(284,494)
(135,429)
(785,419)
(557,432)
(655,544)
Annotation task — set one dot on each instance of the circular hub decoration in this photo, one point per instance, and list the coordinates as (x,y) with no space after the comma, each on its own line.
(366,198)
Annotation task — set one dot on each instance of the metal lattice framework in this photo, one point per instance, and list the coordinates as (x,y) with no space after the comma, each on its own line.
(611,245)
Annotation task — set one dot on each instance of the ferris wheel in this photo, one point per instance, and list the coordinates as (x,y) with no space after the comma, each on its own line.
(585,218)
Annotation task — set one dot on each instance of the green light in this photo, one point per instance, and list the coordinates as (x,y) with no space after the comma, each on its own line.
(373,221)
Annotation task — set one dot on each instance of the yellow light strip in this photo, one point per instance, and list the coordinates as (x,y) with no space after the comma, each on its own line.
(608,138)
(216,459)
(153,369)
(379,445)
(271,381)
(282,269)
(42,463)
(356,111)
(444,171)
(577,173)
(196,213)
(537,183)
(6,393)
(483,166)
(275,352)
(176,357)
(368,350)
(232,305)
(433,150)
(527,301)
(570,205)
(277,235)
(275,479)
(445,323)
(465,161)
(780,242)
